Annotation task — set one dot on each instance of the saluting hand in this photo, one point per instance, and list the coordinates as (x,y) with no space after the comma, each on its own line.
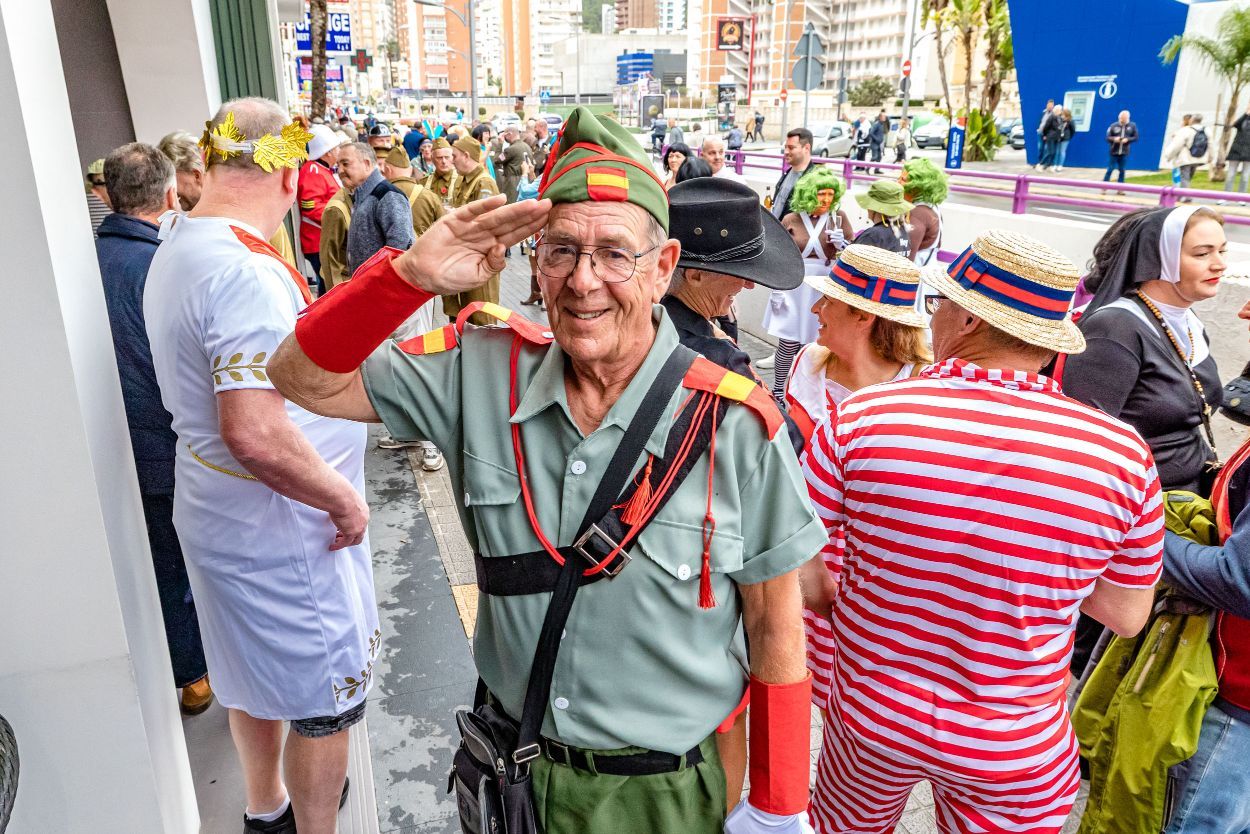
(465,248)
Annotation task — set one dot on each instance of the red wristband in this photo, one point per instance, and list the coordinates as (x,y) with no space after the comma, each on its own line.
(780,749)
(339,330)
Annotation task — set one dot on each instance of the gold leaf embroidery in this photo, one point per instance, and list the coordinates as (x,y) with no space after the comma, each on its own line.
(235,368)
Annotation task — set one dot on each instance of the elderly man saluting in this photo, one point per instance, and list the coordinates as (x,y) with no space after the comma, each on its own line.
(632,684)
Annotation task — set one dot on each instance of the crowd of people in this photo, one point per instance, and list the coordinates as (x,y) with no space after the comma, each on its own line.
(959,473)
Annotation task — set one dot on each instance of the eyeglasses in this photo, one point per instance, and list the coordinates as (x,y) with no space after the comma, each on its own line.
(932,303)
(608,263)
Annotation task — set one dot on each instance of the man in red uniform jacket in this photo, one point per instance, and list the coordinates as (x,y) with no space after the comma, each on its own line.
(317,185)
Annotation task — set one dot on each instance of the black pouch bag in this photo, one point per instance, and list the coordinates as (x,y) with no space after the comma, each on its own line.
(490,772)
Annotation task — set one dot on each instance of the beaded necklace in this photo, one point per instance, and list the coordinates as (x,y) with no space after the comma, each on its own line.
(1185,360)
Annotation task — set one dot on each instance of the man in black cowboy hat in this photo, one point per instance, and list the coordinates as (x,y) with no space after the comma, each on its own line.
(729,243)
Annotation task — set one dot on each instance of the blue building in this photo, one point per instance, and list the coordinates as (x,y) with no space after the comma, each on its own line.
(1097,57)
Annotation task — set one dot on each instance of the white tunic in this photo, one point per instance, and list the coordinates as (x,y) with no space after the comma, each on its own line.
(290,629)
(789,314)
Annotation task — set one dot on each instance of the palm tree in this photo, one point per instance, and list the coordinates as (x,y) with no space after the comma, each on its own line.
(999,53)
(1228,55)
(317,33)
(935,10)
(964,16)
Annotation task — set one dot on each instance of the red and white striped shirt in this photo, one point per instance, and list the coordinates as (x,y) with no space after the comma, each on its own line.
(979,507)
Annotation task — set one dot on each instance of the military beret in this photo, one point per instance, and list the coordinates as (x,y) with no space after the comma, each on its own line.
(470,146)
(596,159)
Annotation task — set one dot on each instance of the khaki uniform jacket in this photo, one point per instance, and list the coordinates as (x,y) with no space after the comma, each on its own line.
(441,185)
(473,186)
(426,208)
(282,242)
(335,221)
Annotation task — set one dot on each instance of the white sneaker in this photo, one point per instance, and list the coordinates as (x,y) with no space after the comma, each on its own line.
(766,363)
(1058,168)
(431,459)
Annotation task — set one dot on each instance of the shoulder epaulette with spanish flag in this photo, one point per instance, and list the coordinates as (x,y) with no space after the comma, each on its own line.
(706,375)
(447,337)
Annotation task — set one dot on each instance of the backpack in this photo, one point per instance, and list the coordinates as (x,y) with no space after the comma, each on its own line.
(1198,145)
(1141,707)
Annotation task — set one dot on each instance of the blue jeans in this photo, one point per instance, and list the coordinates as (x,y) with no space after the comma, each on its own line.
(1049,149)
(1119,161)
(1214,786)
(1061,155)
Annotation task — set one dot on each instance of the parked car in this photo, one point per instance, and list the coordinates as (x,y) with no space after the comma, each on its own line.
(553,120)
(1017,136)
(832,139)
(1006,125)
(504,120)
(932,134)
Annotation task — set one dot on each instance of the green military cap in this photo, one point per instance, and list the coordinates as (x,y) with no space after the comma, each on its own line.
(441,143)
(470,146)
(598,159)
(397,157)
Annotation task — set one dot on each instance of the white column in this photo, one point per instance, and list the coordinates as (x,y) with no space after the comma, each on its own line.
(169,64)
(84,673)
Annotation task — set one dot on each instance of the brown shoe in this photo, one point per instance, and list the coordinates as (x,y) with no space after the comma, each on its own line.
(535,298)
(196,697)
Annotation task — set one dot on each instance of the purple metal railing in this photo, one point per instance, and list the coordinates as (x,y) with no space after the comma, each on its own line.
(1017,187)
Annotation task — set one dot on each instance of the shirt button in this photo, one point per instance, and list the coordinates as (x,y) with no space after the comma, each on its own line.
(561,703)
(466,499)
(547,334)
(577,467)
(683,573)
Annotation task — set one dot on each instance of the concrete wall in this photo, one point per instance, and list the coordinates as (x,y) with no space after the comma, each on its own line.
(169,63)
(84,670)
(93,77)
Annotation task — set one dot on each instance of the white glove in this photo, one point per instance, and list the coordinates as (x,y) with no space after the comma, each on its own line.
(837,237)
(747,819)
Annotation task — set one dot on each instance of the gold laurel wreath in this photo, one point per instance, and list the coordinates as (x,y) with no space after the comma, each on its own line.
(286,150)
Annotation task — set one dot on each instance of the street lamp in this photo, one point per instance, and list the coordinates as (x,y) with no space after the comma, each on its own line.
(467,20)
(577,79)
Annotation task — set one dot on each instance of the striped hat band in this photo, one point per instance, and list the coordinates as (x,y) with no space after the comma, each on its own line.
(873,287)
(975,274)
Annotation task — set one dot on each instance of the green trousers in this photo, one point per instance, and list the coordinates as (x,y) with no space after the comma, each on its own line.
(687,801)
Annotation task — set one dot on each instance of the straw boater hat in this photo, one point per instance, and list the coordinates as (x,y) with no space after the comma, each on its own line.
(875,281)
(1017,285)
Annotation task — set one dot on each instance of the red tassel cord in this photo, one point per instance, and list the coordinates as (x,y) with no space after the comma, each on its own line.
(634,508)
(707,598)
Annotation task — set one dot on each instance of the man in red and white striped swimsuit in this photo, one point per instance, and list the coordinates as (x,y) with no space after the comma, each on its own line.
(982,510)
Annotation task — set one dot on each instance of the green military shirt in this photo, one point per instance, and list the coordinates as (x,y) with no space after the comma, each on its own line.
(335,221)
(641,664)
(426,208)
(442,185)
(475,185)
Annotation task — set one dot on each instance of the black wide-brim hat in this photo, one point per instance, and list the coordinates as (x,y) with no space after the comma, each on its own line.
(723,228)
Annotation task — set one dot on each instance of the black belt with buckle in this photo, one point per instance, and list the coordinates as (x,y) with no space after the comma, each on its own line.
(537,572)
(648,763)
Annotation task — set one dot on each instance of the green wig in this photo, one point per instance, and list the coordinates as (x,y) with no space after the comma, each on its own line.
(803,198)
(926,183)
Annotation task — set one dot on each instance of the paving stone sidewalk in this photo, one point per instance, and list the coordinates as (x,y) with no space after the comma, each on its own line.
(427,602)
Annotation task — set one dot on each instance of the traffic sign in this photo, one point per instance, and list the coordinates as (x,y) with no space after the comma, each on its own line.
(544,96)
(955,144)
(809,45)
(808,73)
(784,94)
(906,69)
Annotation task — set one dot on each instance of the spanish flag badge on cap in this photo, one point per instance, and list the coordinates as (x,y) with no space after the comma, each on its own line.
(597,159)
(605,182)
